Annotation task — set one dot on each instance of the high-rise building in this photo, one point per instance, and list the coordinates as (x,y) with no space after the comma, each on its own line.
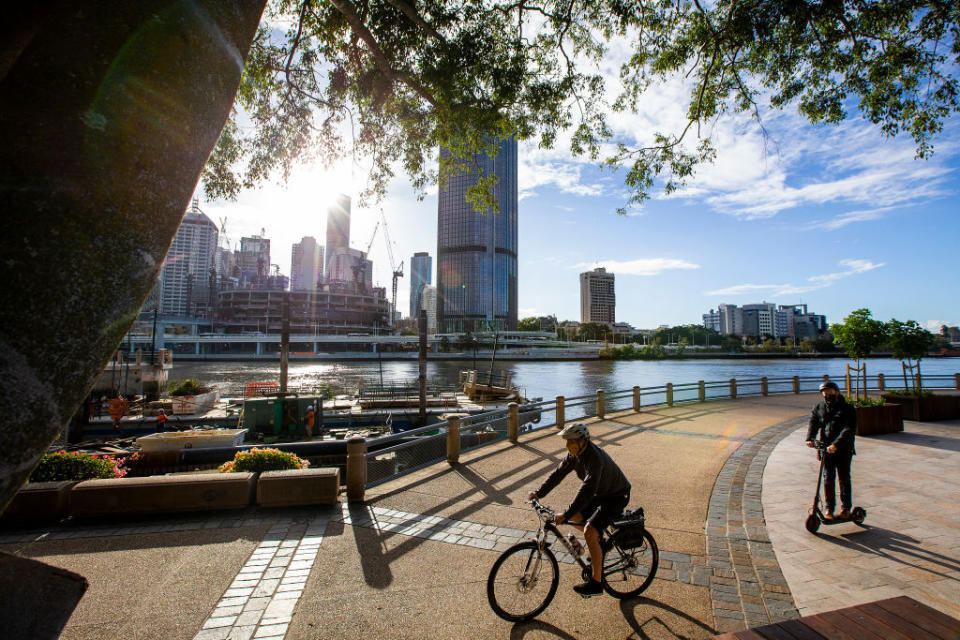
(186,274)
(338,230)
(477,250)
(253,259)
(306,265)
(352,266)
(598,301)
(421,268)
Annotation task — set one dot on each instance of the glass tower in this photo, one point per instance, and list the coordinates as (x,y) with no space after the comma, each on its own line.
(477,251)
(421,267)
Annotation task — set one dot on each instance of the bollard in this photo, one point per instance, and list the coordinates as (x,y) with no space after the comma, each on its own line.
(356,469)
(733,388)
(847,382)
(826,378)
(513,422)
(453,439)
(701,391)
(600,404)
(764,388)
(669,394)
(561,412)
(636,398)
(881,382)
(796,384)
(956,381)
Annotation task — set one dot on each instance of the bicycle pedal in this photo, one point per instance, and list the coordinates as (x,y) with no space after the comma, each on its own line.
(587,596)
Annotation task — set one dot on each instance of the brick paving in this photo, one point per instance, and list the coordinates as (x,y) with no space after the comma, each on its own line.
(747,588)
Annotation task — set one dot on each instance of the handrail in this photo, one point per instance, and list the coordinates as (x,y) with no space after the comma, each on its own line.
(672,393)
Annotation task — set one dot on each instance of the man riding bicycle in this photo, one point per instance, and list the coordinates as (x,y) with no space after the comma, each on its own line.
(603,495)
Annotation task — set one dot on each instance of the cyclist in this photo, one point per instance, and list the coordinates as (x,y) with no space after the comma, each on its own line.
(603,495)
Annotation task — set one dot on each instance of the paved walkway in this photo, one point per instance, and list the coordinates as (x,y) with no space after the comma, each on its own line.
(909,484)
(412,562)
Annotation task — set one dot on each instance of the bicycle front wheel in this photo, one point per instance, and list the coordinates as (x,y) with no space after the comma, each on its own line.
(522,582)
(627,572)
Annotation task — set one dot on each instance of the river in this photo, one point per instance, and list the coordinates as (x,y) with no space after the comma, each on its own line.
(540,379)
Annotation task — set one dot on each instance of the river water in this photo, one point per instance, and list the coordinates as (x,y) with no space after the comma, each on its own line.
(541,379)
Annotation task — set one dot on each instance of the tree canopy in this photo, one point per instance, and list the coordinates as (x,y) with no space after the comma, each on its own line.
(392,81)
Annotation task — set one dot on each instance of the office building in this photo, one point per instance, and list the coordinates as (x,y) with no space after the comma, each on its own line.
(253,259)
(421,268)
(766,319)
(338,230)
(185,288)
(352,266)
(477,250)
(306,265)
(598,301)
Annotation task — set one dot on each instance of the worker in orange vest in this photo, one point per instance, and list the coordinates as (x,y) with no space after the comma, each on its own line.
(117,407)
(311,417)
(161,420)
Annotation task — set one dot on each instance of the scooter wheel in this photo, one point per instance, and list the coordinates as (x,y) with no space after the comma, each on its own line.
(813,523)
(858,515)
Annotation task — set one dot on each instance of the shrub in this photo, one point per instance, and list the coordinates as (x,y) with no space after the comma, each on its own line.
(263,460)
(910,393)
(866,401)
(188,387)
(74,465)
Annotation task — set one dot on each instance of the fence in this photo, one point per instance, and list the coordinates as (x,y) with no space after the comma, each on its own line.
(370,462)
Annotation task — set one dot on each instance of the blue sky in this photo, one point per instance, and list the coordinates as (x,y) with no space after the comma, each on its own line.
(835,217)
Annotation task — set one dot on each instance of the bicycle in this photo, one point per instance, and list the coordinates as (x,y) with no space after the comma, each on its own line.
(523,580)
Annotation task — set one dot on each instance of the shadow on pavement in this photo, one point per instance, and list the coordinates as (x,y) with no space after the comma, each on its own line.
(886,543)
(521,629)
(628,608)
(922,440)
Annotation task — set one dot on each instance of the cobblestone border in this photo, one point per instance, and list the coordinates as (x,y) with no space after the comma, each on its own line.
(747,588)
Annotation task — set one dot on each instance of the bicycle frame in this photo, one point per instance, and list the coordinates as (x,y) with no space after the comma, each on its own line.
(548,526)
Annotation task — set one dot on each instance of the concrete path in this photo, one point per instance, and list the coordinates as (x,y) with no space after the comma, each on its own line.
(413,561)
(909,483)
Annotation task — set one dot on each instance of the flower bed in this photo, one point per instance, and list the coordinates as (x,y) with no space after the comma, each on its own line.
(63,465)
(263,460)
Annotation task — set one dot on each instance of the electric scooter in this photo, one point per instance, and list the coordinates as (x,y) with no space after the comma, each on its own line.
(816,517)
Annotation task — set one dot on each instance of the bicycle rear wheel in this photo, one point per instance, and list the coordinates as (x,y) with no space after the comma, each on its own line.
(627,572)
(522,582)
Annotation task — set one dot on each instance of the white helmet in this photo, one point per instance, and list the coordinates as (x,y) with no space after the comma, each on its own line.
(575,431)
(310,408)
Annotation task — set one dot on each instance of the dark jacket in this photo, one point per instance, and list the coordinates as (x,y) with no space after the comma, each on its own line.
(836,425)
(601,477)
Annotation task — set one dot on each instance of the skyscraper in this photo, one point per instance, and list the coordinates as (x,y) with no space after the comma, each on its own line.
(306,265)
(254,258)
(185,278)
(338,230)
(477,251)
(598,300)
(421,268)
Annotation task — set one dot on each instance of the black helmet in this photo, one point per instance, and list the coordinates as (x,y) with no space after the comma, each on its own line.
(829,384)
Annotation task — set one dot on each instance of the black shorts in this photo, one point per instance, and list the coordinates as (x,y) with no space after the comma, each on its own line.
(602,511)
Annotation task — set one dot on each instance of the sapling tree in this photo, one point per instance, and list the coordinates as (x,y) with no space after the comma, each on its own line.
(910,342)
(858,335)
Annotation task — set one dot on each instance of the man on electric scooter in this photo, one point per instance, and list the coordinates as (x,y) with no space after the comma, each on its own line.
(834,421)
(603,495)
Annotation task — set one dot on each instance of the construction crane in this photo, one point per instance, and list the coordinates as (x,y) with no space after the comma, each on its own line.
(397,270)
(372,237)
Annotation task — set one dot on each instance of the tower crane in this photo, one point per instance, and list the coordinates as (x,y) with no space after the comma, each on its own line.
(397,270)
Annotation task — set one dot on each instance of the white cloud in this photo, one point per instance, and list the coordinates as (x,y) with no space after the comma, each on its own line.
(822,281)
(849,217)
(934,325)
(640,267)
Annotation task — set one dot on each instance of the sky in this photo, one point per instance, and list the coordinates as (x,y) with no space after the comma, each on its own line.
(836,217)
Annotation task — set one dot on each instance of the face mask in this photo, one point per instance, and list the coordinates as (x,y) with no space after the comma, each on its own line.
(832,400)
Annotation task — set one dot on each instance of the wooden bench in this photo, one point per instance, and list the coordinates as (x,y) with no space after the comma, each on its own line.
(162,494)
(301,487)
(901,618)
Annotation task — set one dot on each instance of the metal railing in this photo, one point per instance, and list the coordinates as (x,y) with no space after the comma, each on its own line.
(391,456)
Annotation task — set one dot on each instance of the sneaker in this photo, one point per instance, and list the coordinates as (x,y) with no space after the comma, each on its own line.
(828,515)
(844,514)
(589,588)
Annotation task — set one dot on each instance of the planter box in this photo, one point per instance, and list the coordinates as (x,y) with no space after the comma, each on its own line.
(162,494)
(38,502)
(882,419)
(936,407)
(298,487)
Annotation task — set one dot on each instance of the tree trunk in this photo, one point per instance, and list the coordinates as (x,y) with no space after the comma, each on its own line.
(110,110)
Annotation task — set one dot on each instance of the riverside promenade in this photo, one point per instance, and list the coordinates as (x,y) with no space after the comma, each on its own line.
(725,484)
